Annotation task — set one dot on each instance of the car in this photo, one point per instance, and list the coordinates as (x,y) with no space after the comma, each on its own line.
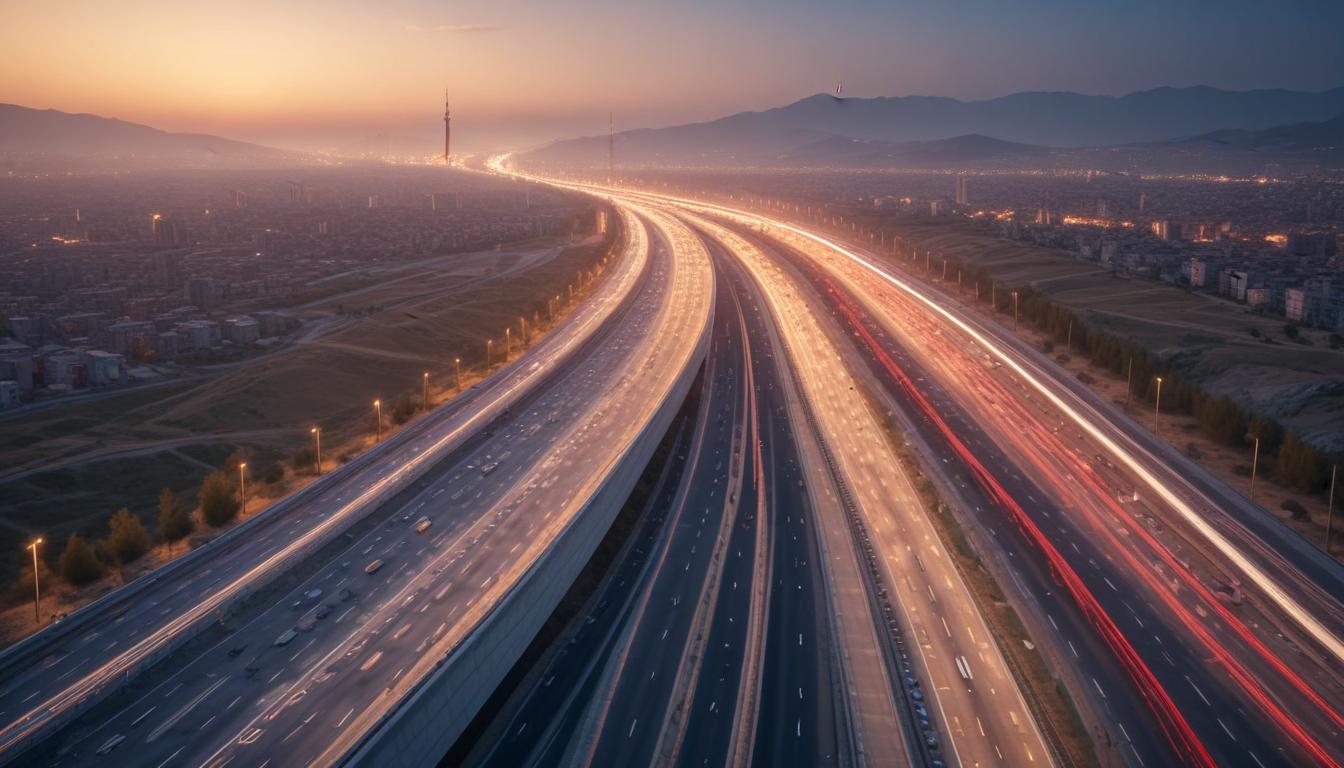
(423,524)
(374,566)
(285,637)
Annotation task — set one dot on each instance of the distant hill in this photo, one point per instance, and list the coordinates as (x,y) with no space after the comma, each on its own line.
(34,135)
(971,149)
(1064,120)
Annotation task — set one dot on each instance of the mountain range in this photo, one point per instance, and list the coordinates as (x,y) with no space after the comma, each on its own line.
(48,136)
(915,131)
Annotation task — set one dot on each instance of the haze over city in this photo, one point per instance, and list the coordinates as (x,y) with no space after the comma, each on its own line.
(647,384)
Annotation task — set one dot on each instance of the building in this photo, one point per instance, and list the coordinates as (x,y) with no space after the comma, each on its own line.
(1198,272)
(204,292)
(242,331)
(9,394)
(136,338)
(1257,297)
(196,335)
(103,368)
(963,193)
(1167,230)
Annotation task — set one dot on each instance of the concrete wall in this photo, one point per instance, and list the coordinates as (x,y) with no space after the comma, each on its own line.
(423,728)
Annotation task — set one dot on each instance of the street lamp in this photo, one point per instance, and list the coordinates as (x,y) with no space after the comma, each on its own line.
(378,417)
(1255,461)
(508,342)
(37,589)
(424,390)
(317,440)
(1329,508)
(457,372)
(489,349)
(1157,405)
(1129,381)
(242,486)
(1014,311)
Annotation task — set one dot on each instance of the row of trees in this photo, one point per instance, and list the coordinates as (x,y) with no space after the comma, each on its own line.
(1283,454)
(82,561)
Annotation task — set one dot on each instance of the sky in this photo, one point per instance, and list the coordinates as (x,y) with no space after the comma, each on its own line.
(339,74)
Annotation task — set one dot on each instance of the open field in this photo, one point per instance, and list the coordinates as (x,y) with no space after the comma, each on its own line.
(66,469)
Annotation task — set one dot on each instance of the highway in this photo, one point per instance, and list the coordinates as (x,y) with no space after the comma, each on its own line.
(712,645)
(1143,547)
(1233,646)
(236,690)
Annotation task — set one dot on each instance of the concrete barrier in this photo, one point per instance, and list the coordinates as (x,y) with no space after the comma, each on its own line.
(421,730)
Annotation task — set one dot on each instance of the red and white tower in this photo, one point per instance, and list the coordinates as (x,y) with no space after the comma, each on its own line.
(447,130)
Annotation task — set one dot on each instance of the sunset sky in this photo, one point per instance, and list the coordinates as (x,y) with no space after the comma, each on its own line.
(313,74)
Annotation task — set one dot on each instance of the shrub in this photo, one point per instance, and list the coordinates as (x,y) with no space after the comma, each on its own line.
(126,537)
(304,459)
(270,473)
(1290,330)
(174,522)
(219,504)
(1292,507)
(78,564)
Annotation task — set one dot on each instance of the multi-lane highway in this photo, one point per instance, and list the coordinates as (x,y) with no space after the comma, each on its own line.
(786,596)
(1173,607)
(350,622)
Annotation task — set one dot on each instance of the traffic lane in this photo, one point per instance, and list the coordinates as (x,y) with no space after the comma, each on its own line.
(797,682)
(151,608)
(598,437)
(1144,622)
(894,519)
(633,719)
(469,491)
(1047,457)
(537,731)
(578,386)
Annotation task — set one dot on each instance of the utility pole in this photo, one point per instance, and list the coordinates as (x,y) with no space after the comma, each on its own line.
(37,589)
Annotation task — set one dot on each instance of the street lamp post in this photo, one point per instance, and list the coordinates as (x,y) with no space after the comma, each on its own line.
(508,342)
(489,352)
(1255,462)
(1014,311)
(457,372)
(1157,406)
(424,390)
(1329,508)
(242,486)
(1129,380)
(37,588)
(317,441)
(378,418)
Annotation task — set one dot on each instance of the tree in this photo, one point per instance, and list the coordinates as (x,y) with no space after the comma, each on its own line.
(78,564)
(174,522)
(403,408)
(1336,341)
(219,504)
(126,537)
(1300,465)
(1290,330)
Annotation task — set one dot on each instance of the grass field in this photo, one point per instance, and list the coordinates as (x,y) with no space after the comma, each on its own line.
(77,464)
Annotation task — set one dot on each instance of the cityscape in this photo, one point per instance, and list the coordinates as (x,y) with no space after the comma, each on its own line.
(508,385)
